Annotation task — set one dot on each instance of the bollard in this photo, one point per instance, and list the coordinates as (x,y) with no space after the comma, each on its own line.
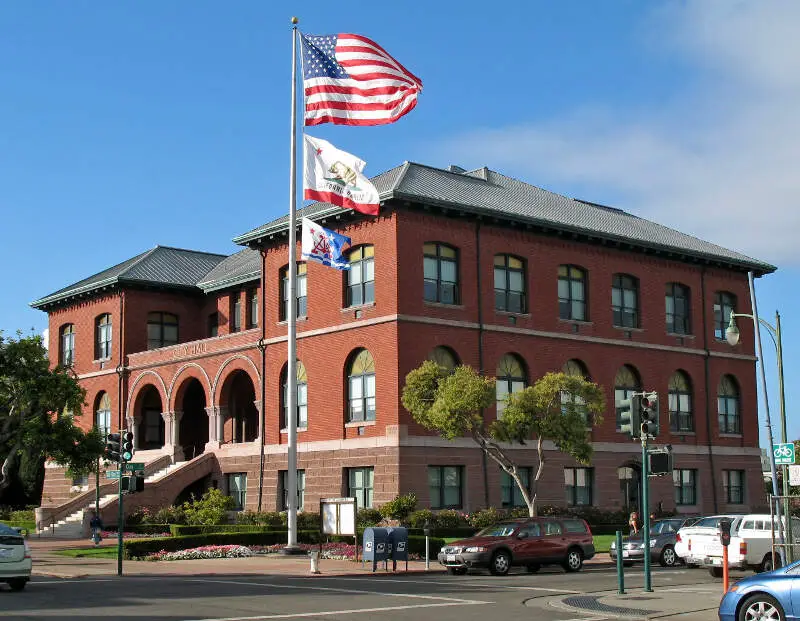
(620,572)
(314,562)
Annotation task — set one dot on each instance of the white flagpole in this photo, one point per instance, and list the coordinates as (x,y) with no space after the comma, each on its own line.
(291,365)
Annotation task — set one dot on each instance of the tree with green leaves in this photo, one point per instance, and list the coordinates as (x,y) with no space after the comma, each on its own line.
(37,409)
(557,408)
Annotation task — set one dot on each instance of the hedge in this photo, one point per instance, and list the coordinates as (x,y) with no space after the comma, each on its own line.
(24,525)
(140,548)
(182,530)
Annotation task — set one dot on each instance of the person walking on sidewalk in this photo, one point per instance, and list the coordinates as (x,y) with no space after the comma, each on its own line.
(96,524)
(633,523)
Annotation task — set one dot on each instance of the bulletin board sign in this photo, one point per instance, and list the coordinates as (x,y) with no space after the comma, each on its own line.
(338,517)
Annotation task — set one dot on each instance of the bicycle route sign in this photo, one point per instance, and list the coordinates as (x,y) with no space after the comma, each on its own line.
(784,453)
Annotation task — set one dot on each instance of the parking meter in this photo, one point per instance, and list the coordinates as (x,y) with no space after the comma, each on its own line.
(725,531)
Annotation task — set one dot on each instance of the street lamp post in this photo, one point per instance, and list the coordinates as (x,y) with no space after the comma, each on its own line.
(732,336)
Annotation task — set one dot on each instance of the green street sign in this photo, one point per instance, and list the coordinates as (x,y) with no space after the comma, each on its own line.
(112,474)
(134,467)
(784,453)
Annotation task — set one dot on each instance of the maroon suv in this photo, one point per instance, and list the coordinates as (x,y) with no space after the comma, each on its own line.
(530,542)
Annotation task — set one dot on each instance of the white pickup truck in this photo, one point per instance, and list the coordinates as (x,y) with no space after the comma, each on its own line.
(750,546)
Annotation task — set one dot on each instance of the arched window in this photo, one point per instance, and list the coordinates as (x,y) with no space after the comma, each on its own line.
(678,309)
(440,266)
(102,415)
(302,397)
(162,330)
(730,420)
(626,383)
(625,300)
(67,351)
(572,302)
(724,305)
(574,368)
(444,357)
(102,329)
(510,378)
(360,278)
(361,388)
(301,292)
(680,403)
(509,283)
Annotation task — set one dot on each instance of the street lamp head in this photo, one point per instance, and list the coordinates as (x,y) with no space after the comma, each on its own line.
(732,332)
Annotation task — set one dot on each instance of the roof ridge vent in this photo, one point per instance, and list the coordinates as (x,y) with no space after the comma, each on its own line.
(456,169)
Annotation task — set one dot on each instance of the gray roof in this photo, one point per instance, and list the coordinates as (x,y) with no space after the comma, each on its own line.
(236,269)
(161,266)
(490,193)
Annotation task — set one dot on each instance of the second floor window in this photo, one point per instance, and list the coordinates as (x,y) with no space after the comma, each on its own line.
(680,403)
(103,330)
(162,330)
(625,301)
(213,324)
(678,309)
(440,266)
(572,293)
(509,284)
(300,292)
(361,388)
(67,351)
(728,406)
(252,308)
(301,404)
(361,277)
(724,304)
(236,312)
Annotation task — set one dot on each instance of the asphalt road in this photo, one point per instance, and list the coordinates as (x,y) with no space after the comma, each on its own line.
(394,597)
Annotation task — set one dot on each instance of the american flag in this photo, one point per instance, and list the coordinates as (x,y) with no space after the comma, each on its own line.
(351,80)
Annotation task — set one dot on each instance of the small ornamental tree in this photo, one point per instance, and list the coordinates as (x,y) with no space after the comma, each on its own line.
(558,408)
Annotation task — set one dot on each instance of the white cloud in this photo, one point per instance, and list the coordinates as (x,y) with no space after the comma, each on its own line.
(719,159)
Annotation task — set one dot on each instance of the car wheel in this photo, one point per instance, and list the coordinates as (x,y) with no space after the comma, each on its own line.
(17,584)
(574,560)
(761,607)
(627,563)
(456,571)
(767,564)
(500,563)
(668,557)
(716,572)
(532,569)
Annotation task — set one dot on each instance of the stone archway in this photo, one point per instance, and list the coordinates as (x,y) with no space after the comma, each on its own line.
(238,411)
(149,427)
(191,419)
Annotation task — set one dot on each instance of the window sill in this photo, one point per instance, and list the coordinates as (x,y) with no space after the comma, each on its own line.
(511,313)
(102,360)
(362,423)
(730,435)
(683,433)
(681,336)
(580,322)
(299,430)
(625,329)
(356,307)
(285,322)
(444,305)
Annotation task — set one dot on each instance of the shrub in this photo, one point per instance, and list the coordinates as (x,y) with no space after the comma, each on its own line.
(449,518)
(417,519)
(400,508)
(368,517)
(26,515)
(261,518)
(308,521)
(212,508)
(179,530)
(487,517)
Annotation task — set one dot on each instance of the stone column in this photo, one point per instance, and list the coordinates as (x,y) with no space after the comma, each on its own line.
(223,414)
(133,426)
(214,439)
(176,426)
(168,417)
(260,421)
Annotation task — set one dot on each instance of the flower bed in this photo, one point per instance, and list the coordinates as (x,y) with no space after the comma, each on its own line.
(204,552)
(112,534)
(332,551)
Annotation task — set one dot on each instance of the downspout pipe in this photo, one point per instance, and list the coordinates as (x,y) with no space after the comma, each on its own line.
(262,346)
(709,389)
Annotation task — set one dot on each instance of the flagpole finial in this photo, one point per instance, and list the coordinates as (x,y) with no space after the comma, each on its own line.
(295,21)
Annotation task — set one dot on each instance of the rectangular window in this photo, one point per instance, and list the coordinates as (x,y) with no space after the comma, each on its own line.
(236,312)
(685,483)
(445,487)
(103,351)
(67,345)
(578,486)
(103,422)
(440,272)
(678,310)
(724,304)
(360,483)
(511,496)
(509,284)
(213,324)
(361,277)
(284,489)
(252,308)
(301,402)
(625,301)
(162,330)
(300,292)
(237,489)
(572,293)
(733,481)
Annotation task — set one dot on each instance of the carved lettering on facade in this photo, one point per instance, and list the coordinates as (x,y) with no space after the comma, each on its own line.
(189,350)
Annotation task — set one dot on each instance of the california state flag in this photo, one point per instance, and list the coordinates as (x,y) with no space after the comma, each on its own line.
(334,176)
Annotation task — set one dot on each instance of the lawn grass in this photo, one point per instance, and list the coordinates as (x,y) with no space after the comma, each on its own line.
(99,552)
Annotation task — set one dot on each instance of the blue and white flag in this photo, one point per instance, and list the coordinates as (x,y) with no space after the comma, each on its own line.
(324,246)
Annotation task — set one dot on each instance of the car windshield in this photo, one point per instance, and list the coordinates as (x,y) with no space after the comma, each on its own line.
(498,530)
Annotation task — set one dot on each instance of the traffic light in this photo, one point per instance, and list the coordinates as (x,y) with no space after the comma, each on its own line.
(660,462)
(127,446)
(649,415)
(113,447)
(630,416)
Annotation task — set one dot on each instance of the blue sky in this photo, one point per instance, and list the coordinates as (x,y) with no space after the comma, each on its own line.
(126,125)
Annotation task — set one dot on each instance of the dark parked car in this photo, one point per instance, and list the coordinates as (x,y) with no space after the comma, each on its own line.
(530,543)
(662,543)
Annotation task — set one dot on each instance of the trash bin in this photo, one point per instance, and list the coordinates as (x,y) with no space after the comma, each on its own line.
(375,546)
(398,545)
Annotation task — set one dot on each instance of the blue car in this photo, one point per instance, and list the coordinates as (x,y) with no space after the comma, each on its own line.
(772,596)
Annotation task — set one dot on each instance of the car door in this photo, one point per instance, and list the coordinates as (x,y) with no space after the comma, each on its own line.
(554,541)
(528,545)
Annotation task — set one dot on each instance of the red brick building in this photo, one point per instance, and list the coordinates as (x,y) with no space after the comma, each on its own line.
(188,349)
